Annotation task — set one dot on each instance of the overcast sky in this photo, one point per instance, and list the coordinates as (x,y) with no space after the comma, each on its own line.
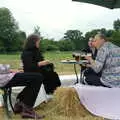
(54,17)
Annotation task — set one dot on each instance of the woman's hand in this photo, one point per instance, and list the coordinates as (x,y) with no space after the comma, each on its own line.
(42,63)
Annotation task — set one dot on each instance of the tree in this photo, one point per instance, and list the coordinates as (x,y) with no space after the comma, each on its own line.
(48,45)
(66,45)
(116,24)
(20,38)
(8,30)
(115,38)
(75,36)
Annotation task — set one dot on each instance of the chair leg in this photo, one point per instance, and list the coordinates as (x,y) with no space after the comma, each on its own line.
(10,100)
(5,98)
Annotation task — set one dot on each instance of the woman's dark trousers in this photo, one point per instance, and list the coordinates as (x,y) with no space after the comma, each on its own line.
(32,81)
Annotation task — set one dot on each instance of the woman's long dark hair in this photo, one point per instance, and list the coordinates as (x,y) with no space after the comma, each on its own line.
(30,42)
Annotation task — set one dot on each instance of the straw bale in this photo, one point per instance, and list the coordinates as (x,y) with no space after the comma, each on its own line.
(65,105)
(68,102)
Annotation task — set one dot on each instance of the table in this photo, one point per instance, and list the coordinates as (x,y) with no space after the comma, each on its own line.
(74,62)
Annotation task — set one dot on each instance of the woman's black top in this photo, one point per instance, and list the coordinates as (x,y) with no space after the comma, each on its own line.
(30,59)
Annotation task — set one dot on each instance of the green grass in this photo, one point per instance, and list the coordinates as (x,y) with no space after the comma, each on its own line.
(54,57)
(13,60)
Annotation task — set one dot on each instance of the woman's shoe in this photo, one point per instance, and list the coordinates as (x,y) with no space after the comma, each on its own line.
(18,107)
(28,112)
(32,115)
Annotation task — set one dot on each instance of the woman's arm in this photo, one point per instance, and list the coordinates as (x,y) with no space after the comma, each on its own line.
(42,63)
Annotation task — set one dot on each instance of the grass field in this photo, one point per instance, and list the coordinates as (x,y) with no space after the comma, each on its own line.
(54,57)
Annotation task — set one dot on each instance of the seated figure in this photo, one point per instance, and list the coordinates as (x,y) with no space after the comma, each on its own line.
(33,61)
(107,61)
(89,73)
(27,97)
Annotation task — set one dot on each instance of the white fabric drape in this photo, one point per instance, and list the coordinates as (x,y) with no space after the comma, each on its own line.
(100,101)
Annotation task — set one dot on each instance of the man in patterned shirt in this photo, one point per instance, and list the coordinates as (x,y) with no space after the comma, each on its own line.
(107,60)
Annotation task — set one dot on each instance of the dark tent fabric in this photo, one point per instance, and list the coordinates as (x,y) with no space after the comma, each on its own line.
(105,3)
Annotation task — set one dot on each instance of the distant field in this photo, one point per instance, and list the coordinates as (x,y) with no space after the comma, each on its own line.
(54,57)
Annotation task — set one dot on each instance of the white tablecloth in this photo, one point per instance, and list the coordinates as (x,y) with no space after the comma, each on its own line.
(100,101)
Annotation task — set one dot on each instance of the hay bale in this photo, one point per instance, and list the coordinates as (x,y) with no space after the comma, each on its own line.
(68,103)
(65,105)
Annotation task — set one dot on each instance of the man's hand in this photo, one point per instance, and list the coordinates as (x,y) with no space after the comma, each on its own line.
(89,58)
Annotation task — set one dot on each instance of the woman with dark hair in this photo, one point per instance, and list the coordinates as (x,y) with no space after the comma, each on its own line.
(31,57)
(33,61)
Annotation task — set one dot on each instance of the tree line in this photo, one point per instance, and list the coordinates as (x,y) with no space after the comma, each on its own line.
(12,38)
